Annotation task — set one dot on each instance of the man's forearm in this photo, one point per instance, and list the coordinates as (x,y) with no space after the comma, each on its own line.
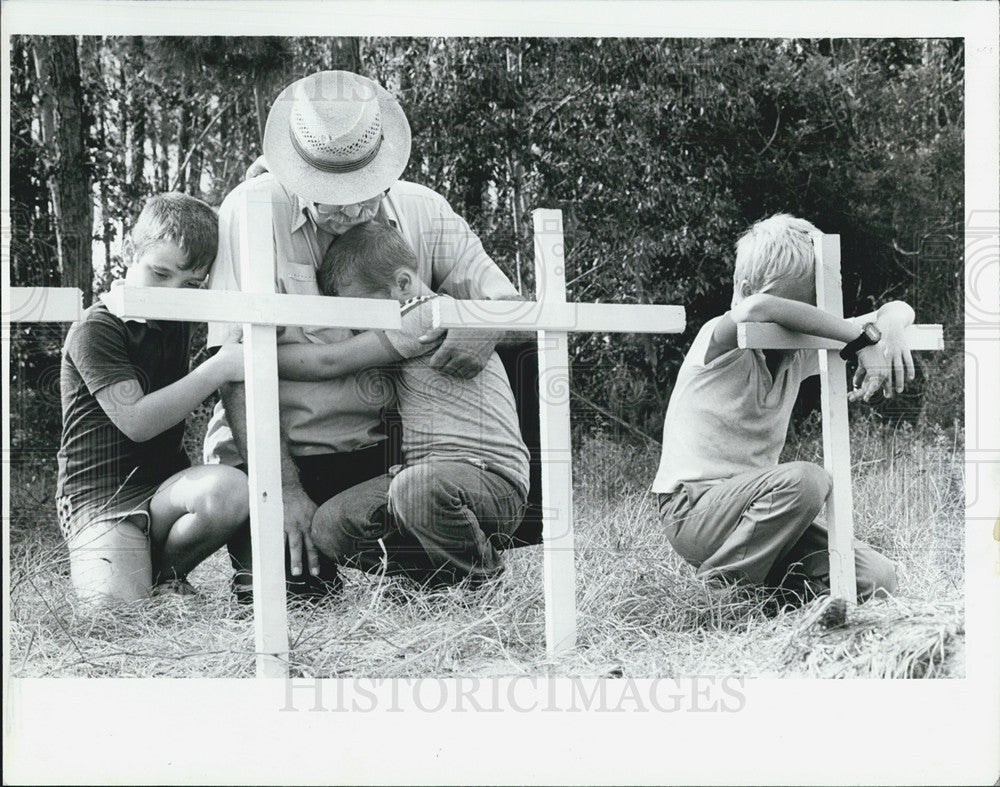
(234,400)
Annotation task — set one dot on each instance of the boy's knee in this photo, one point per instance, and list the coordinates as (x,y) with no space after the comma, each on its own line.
(225,501)
(810,482)
(416,492)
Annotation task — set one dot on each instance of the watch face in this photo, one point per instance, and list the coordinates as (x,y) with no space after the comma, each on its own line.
(873,333)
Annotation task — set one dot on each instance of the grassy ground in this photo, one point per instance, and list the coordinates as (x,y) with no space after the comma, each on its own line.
(642,612)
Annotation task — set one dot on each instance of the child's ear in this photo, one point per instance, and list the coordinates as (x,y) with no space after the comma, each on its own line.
(745,289)
(404,279)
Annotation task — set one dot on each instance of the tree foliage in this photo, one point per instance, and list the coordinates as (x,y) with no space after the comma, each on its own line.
(659,152)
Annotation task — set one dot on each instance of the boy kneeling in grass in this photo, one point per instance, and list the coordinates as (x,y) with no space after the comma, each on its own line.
(135,515)
(728,507)
(463,485)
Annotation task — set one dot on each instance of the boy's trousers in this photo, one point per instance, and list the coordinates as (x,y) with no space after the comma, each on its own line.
(438,522)
(760,527)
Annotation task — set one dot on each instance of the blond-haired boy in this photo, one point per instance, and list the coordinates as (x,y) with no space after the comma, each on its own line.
(729,508)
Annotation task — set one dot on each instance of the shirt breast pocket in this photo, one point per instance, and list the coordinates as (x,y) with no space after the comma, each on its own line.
(299,280)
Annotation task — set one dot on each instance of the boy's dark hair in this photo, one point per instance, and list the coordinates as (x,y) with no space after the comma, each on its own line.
(180,219)
(367,254)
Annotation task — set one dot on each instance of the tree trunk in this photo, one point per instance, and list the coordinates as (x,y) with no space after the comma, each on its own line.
(259,87)
(63,125)
(103,176)
(194,173)
(183,139)
(161,149)
(345,54)
(137,108)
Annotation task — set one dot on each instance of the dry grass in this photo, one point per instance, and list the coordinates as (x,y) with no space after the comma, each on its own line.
(641,610)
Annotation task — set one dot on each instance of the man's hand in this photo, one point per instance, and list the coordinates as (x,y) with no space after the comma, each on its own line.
(465,351)
(886,365)
(299,511)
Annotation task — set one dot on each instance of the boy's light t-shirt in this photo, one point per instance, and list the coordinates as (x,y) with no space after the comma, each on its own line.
(451,419)
(728,416)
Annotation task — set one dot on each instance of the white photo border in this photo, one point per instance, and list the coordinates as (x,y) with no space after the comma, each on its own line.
(777,731)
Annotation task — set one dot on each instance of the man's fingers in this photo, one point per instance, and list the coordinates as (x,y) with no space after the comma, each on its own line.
(897,373)
(432,336)
(295,552)
(911,373)
(440,358)
(312,555)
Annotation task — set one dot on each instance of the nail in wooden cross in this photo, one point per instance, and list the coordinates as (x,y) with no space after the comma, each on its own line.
(833,399)
(554,319)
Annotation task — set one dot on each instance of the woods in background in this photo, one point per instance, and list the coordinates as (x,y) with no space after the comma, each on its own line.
(659,152)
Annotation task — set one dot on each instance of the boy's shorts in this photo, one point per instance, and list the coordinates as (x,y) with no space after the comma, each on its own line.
(109,543)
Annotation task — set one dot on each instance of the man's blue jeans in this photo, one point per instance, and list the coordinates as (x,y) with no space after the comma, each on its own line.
(439,522)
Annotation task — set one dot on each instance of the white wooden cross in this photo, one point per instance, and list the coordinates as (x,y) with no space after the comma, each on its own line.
(554,318)
(833,400)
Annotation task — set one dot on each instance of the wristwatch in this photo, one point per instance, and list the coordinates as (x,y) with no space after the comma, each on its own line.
(869,335)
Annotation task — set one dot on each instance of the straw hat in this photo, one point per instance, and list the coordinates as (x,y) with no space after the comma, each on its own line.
(336,138)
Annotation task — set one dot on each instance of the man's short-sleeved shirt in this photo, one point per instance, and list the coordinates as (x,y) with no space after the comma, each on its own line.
(446,418)
(729,415)
(344,414)
(95,458)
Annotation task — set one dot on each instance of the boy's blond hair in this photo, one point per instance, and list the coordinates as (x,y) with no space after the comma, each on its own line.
(181,219)
(775,248)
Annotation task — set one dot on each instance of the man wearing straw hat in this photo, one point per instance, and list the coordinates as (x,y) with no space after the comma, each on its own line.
(335,145)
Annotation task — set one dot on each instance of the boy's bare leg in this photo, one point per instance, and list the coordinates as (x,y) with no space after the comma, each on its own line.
(194,512)
(109,561)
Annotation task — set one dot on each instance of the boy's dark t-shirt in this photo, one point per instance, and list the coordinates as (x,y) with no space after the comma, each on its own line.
(95,458)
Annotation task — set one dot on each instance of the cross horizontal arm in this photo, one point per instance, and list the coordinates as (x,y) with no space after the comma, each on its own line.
(43,304)
(533,315)
(771,336)
(257,308)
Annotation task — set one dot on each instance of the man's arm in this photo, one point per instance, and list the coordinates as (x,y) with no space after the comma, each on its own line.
(298,506)
(466,351)
(466,271)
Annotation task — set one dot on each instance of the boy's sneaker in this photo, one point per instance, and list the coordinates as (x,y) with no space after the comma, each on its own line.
(241,585)
(174,587)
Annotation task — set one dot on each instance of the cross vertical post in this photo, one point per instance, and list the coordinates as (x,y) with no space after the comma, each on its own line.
(556,445)
(836,434)
(267,532)
(833,400)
